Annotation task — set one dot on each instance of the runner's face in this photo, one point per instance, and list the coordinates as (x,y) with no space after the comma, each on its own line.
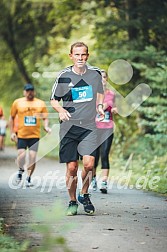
(79,56)
(29,94)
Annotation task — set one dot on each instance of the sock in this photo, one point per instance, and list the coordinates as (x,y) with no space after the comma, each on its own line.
(29,179)
(20,172)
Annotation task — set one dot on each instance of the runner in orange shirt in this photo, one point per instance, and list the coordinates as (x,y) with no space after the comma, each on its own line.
(29,111)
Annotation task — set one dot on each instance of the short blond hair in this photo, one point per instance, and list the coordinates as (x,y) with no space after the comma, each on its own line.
(78,44)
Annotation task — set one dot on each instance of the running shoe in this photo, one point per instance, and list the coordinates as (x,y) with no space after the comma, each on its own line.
(85,200)
(94,184)
(103,188)
(19,176)
(72,208)
(28,182)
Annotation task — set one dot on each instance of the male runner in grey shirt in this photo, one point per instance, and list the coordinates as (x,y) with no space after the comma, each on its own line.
(80,88)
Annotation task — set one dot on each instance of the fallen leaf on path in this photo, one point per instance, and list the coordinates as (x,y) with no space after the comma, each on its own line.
(109,229)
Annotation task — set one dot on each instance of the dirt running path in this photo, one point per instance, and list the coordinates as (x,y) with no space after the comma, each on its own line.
(125,220)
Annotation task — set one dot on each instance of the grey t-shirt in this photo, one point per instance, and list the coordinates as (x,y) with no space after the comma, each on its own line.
(78,92)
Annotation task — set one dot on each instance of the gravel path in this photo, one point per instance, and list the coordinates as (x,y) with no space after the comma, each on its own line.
(125,220)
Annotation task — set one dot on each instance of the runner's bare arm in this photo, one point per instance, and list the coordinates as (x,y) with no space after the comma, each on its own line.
(46,125)
(64,115)
(13,136)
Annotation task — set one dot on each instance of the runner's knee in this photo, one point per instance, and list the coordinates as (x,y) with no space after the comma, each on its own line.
(88,167)
(72,170)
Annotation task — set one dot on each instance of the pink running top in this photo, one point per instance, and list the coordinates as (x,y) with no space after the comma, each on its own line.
(107,123)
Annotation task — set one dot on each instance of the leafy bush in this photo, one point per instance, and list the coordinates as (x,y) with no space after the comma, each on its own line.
(49,227)
(9,244)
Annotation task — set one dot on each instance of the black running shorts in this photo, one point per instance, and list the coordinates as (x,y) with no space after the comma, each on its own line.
(77,141)
(31,143)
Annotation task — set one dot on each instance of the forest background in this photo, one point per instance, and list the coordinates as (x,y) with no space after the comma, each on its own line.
(35,39)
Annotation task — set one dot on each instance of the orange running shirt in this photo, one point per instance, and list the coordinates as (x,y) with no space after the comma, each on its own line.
(29,115)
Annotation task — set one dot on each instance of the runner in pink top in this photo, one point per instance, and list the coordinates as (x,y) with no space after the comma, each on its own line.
(105,135)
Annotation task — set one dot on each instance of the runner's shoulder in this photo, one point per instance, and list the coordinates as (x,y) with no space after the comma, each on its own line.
(19,100)
(94,68)
(37,101)
(64,71)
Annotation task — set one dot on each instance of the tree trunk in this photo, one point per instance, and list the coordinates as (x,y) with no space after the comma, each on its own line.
(8,37)
(19,62)
(131,7)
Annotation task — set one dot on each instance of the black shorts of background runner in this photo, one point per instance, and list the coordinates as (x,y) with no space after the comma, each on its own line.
(104,141)
(2,134)
(31,143)
(77,141)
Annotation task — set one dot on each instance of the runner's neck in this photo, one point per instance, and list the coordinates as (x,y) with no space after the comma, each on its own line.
(79,71)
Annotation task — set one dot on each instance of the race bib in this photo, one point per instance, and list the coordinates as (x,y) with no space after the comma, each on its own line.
(82,94)
(106,117)
(30,121)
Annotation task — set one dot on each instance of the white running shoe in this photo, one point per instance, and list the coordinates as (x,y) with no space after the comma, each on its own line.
(28,182)
(103,188)
(94,184)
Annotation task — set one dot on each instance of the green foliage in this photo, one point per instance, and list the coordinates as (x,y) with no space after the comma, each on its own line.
(51,229)
(1,226)
(48,225)
(153,113)
(140,167)
(148,146)
(23,40)
(22,18)
(154,169)
(133,23)
(8,244)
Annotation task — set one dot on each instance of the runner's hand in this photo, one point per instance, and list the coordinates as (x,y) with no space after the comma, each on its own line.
(100,111)
(13,137)
(47,129)
(64,115)
(114,110)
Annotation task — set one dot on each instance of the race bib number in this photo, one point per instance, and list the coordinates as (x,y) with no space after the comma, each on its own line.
(106,117)
(30,121)
(82,94)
